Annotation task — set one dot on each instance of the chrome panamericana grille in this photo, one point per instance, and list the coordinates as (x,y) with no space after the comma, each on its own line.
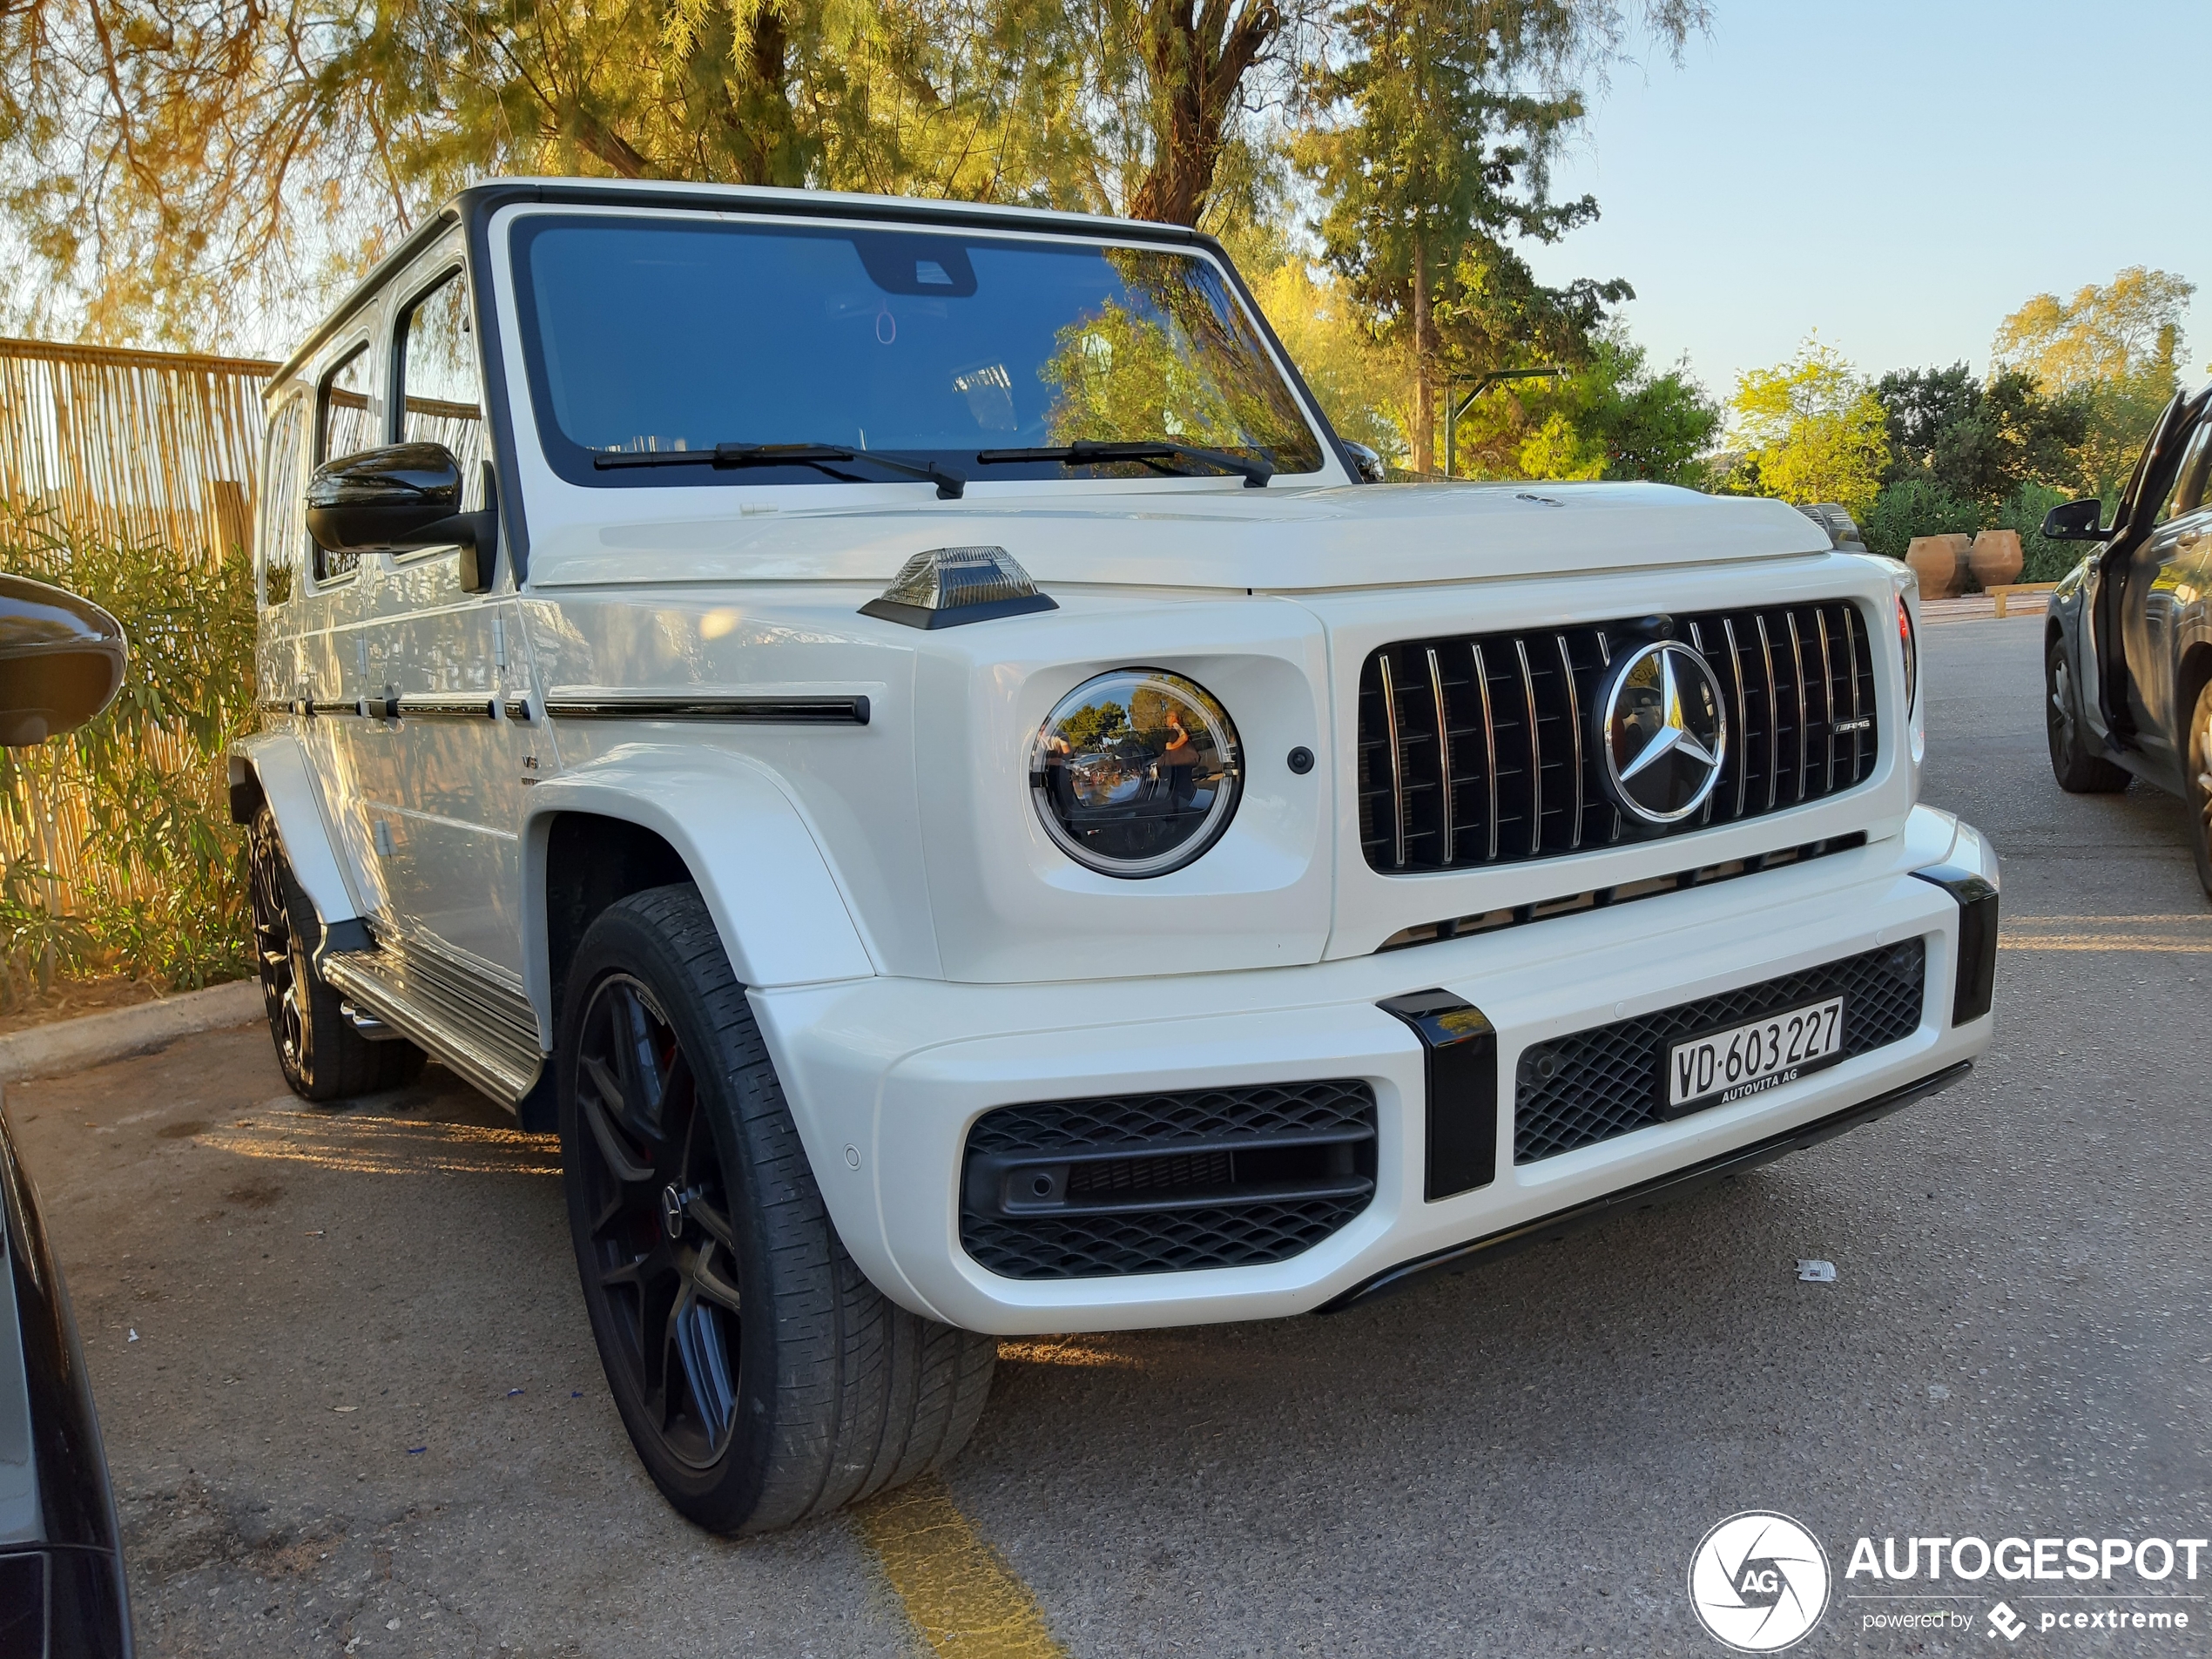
(1483,749)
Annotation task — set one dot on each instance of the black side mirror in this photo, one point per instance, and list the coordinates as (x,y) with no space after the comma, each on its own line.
(2075,522)
(61,661)
(1367,462)
(399,498)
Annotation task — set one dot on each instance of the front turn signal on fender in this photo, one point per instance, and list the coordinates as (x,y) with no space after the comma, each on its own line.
(949,586)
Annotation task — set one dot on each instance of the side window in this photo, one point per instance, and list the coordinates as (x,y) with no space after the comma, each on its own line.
(440,392)
(2190,490)
(342,426)
(284,502)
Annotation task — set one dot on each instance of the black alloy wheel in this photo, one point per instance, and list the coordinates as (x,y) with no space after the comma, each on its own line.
(658,1255)
(323,1058)
(760,1377)
(2197,783)
(2078,772)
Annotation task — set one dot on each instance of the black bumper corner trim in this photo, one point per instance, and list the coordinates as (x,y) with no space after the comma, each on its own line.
(1646,1194)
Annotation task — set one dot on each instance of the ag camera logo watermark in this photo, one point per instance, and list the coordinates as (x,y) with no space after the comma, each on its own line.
(1758,1582)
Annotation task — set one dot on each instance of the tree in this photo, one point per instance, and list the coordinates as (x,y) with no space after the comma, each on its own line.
(2117,347)
(2105,334)
(154,165)
(1977,441)
(186,171)
(1359,381)
(1815,431)
(1435,121)
(1614,418)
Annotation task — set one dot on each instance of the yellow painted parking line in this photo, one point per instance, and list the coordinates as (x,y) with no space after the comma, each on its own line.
(2200,920)
(2108,941)
(958,1591)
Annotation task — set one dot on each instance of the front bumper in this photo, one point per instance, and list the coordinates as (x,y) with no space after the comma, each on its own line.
(885,1075)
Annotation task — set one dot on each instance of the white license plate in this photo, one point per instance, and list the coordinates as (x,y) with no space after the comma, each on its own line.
(1723,1067)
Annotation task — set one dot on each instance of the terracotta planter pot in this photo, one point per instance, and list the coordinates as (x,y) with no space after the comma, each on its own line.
(1940,562)
(1995,558)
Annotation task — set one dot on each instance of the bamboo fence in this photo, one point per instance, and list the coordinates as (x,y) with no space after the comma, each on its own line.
(125,445)
(139,445)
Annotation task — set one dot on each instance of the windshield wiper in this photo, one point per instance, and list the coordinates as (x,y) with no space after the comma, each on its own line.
(820,455)
(1084,451)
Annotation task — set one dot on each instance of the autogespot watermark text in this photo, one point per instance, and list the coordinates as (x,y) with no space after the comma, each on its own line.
(1933,1559)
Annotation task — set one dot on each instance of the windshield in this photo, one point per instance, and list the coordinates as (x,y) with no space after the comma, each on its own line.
(648,335)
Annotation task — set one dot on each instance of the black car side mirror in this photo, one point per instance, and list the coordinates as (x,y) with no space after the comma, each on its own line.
(398,499)
(2075,522)
(61,661)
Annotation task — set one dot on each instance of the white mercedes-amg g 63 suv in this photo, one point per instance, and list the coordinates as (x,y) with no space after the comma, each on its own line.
(899,731)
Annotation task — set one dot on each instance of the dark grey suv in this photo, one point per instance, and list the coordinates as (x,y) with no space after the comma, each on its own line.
(2127,658)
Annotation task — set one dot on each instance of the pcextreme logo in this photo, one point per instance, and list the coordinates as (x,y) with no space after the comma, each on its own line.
(1758,1581)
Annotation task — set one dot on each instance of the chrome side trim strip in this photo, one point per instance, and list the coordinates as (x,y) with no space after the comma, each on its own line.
(1443,751)
(734,711)
(1397,767)
(443,708)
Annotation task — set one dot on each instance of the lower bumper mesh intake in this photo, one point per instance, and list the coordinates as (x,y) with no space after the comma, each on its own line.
(1593,1085)
(1168,1183)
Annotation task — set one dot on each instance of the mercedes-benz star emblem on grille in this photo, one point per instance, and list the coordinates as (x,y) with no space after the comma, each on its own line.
(1663,732)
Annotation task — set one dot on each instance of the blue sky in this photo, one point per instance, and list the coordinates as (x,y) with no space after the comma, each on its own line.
(1900,176)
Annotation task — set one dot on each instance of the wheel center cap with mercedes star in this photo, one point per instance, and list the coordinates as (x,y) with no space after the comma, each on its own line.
(1664,733)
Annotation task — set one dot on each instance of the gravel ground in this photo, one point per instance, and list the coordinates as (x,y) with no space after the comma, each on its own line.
(361,1413)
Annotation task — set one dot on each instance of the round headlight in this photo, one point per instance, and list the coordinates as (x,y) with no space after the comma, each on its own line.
(1135,773)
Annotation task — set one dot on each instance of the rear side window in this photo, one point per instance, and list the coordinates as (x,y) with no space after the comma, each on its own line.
(342,421)
(342,427)
(440,391)
(2190,488)
(284,523)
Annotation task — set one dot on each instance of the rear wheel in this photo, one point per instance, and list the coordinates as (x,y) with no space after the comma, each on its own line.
(761,1377)
(2078,770)
(2197,784)
(323,1058)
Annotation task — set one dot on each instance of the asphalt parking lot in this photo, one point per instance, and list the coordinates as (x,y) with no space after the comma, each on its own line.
(351,1404)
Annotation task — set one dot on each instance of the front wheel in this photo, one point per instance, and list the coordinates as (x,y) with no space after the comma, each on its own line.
(2078,772)
(323,1057)
(2197,784)
(761,1377)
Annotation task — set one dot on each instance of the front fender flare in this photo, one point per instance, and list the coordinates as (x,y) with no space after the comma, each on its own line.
(271,767)
(783,918)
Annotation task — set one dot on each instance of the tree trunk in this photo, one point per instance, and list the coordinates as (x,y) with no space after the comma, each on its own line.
(1424,433)
(1196,58)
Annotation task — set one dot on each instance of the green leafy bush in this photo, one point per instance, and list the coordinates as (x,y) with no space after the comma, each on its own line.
(2041,560)
(1917,506)
(157,868)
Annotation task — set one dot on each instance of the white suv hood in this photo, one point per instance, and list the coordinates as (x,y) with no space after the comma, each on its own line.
(1209,538)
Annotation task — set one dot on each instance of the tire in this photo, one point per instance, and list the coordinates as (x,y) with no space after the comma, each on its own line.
(323,1058)
(2196,782)
(2078,772)
(761,1377)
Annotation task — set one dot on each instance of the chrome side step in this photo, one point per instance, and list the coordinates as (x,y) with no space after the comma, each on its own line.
(483,1030)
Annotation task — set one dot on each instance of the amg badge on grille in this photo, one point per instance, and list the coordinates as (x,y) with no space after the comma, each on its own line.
(1662,732)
